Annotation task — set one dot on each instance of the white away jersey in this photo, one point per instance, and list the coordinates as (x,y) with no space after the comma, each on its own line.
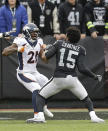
(28,54)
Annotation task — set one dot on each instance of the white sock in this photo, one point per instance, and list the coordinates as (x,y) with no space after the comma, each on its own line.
(92,114)
(45,107)
(35,114)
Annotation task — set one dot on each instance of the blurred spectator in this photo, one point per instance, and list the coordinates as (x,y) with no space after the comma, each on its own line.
(83,2)
(13,17)
(57,2)
(71,14)
(25,3)
(1,2)
(106,2)
(96,18)
(44,15)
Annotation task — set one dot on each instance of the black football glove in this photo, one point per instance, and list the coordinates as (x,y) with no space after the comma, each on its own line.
(98,77)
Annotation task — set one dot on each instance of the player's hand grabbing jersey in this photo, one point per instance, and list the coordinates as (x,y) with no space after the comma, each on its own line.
(28,54)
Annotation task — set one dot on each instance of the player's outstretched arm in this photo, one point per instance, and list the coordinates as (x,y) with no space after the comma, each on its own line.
(42,53)
(9,50)
(85,70)
(49,53)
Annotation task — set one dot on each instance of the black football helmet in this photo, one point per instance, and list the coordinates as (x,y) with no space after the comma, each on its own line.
(31,31)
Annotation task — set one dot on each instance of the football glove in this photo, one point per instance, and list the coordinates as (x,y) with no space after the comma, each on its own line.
(98,77)
(5,34)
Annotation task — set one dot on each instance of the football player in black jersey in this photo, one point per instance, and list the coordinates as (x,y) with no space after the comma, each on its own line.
(69,57)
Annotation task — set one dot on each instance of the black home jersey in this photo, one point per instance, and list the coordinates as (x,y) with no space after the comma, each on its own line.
(71,15)
(69,57)
(98,15)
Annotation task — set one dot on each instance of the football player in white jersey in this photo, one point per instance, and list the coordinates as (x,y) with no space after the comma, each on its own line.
(29,47)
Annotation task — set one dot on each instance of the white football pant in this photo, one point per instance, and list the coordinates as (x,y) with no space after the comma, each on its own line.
(32,81)
(57,84)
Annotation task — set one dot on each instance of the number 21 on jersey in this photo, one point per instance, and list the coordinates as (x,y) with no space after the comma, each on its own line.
(32,59)
(69,58)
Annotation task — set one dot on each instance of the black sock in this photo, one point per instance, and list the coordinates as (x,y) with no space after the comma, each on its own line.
(34,94)
(88,103)
(40,102)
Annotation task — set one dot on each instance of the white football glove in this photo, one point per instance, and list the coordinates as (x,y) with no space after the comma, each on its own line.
(99,78)
(5,34)
(1,35)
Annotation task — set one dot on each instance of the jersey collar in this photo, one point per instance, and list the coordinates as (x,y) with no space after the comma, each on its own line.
(32,44)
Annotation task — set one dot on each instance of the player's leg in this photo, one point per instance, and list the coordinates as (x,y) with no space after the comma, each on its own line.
(79,91)
(48,90)
(51,88)
(89,106)
(42,80)
(29,82)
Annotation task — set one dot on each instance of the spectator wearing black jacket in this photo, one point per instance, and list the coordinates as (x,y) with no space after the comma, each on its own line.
(44,15)
(57,2)
(83,2)
(71,14)
(96,18)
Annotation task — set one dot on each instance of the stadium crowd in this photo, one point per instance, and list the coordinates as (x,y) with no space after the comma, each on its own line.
(53,16)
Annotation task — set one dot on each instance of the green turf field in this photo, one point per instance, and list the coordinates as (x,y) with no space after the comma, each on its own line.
(53,125)
(64,120)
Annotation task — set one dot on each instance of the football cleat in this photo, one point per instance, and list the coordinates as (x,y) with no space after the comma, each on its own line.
(39,118)
(97,120)
(47,112)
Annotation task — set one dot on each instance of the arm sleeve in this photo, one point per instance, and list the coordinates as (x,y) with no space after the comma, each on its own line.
(3,27)
(55,21)
(24,17)
(82,68)
(106,21)
(61,19)
(82,24)
(51,51)
(87,18)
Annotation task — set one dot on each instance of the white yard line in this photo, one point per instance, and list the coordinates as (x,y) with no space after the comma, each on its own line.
(54,110)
